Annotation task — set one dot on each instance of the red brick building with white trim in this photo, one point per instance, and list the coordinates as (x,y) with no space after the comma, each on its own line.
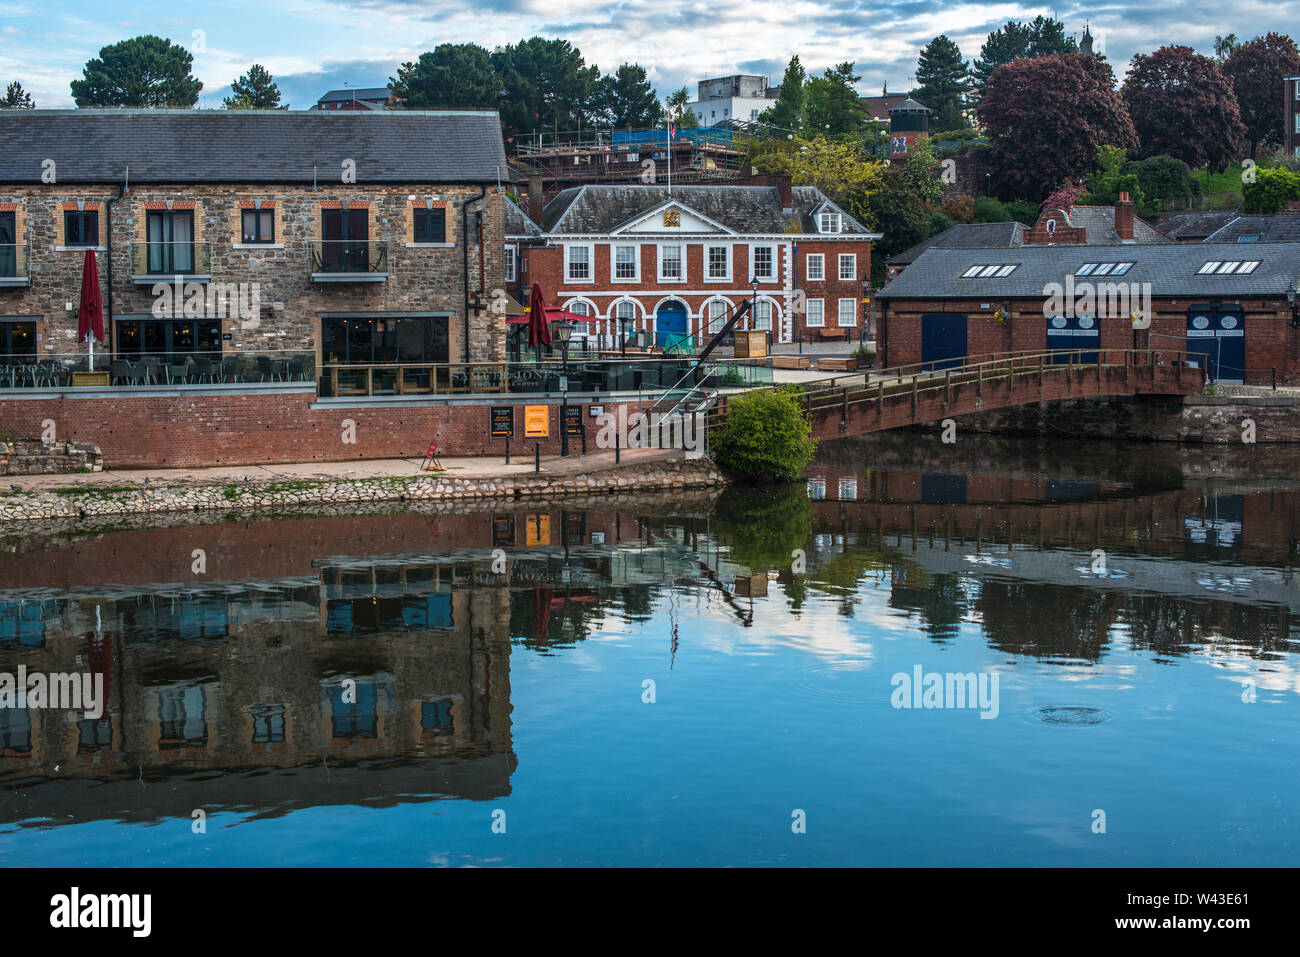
(673,264)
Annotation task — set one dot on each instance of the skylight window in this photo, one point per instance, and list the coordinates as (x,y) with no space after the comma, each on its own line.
(1247,267)
(989,271)
(1085,269)
(1254,238)
(1231,267)
(1102,269)
(1007,270)
(1209,267)
(971,271)
(1121,268)
(1227,268)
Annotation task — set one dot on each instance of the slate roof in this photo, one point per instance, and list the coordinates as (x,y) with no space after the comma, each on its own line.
(517,221)
(1197,224)
(1276,228)
(747,210)
(1170,268)
(250,146)
(1099,223)
(965,236)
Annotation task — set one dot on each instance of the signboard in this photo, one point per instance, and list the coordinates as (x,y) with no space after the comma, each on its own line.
(572,419)
(537,421)
(596,411)
(537,530)
(503,421)
(503,530)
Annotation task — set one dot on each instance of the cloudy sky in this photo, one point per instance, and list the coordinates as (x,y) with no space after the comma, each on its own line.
(311,46)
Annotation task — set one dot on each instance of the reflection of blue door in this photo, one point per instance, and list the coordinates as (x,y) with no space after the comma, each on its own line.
(1071,334)
(943,488)
(670,324)
(1216,340)
(943,339)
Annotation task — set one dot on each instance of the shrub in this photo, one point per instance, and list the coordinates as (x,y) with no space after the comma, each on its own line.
(1272,189)
(763,525)
(764,437)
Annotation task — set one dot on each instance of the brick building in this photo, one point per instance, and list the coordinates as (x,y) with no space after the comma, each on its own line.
(673,264)
(1291,113)
(351,236)
(1230,306)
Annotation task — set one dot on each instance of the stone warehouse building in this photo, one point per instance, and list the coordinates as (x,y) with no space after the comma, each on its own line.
(353,237)
(672,263)
(1231,307)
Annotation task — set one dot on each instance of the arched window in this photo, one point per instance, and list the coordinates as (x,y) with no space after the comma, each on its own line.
(717,312)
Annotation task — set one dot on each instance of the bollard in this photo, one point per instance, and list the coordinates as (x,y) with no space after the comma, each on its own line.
(537,457)
(1274,378)
(617,447)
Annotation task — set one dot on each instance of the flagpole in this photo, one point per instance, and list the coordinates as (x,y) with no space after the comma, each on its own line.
(670,154)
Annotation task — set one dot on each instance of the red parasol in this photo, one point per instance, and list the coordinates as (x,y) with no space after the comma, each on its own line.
(554,314)
(539,330)
(90,320)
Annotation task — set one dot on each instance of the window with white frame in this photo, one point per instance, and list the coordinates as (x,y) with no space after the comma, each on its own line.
(577,263)
(848,266)
(717,313)
(816,312)
(816,267)
(581,330)
(511,253)
(763,314)
(718,262)
(670,264)
(764,262)
(627,264)
(848,489)
(829,222)
(625,313)
(848,313)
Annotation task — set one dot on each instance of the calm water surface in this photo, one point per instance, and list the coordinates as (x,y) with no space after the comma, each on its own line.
(661,681)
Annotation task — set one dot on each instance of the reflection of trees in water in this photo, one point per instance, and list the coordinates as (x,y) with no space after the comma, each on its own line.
(763,524)
(1043,620)
(941,603)
(1170,626)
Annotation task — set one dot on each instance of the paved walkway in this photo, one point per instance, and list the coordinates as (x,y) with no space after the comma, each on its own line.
(483,467)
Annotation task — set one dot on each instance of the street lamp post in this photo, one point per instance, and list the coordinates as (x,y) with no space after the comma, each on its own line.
(753,303)
(562,332)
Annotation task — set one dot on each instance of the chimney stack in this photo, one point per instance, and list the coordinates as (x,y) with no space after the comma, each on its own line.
(536,205)
(782,183)
(1124,217)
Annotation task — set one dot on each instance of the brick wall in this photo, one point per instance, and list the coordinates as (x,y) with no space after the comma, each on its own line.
(249,429)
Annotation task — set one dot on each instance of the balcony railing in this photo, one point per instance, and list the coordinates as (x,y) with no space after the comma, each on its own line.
(348,260)
(338,380)
(61,371)
(159,261)
(13,264)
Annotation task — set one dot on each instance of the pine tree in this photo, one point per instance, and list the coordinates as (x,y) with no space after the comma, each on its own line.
(943,79)
(255,90)
(16,98)
(787,112)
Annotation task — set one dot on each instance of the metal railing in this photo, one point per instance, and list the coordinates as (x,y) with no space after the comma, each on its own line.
(656,376)
(62,371)
(171,259)
(13,264)
(341,257)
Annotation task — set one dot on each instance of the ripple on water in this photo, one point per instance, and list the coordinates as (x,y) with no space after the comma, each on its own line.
(842,680)
(1071,714)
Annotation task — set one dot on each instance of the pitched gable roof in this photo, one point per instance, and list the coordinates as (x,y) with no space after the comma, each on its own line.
(250,146)
(518,223)
(965,236)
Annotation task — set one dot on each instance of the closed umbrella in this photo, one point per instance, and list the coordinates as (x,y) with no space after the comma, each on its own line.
(90,320)
(539,329)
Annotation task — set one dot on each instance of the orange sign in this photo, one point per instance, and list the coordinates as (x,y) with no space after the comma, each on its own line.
(537,530)
(537,421)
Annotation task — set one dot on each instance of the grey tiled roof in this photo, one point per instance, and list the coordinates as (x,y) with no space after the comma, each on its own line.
(965,236)
(1197,224)
(517,221)
(1099,222)
(1277,228)
(1170,268)
(747,210)
(250,146)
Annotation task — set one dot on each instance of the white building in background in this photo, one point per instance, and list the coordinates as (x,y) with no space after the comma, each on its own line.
(732,98)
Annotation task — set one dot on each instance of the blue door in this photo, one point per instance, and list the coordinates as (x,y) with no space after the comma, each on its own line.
(1069,335)
(1216,340)
(670,325)
(943,339)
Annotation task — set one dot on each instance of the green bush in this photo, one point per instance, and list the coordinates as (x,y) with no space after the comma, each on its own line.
(764,437)
(763,525)
(1272,189)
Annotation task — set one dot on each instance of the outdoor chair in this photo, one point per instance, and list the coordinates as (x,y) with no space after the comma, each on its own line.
(230,369)
(265,368)
(178,373)
(299,369)
(119,371)
(139,373)
(202,368)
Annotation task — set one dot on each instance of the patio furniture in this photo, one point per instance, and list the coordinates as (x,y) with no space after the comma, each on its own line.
(230,369)
(300,369)
(203,370)
(139,373)
(178,374)
(266,369)
(119,371)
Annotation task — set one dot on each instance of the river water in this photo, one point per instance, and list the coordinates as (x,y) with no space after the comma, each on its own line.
(748,677)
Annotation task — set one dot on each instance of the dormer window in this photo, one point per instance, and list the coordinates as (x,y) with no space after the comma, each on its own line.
(829,222)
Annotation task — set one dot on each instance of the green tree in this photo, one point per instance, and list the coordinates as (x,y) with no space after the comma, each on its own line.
(451,76)
(626,98)
(765,436)
(675,106)
(832,106)
(1271,191)
(1043,36)
(1113,177)
(1173,91)
(16,98)
(943,80)
(1225,47)
(255,90)
(146,71)
(839,168)
(547,85)
(787,112)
